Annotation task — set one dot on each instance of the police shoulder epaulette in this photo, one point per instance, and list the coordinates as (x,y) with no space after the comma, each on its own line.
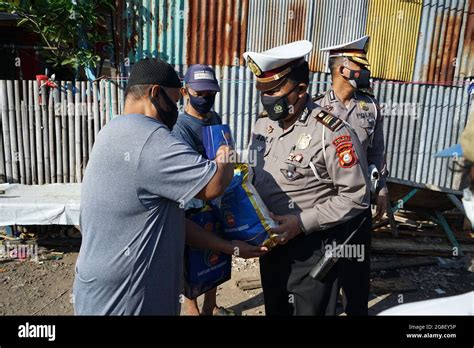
(316,97)
(263,114)
(330,121)
(366,91)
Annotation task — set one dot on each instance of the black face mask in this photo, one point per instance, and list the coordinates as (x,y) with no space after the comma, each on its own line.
(277,108)
(202,104)
(169,118)
(359,79)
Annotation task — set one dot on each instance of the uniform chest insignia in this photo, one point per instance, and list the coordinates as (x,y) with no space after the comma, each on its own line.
(303,141)
(332,96)
(363,105)
(330,121)
(328,107)
(260,148)
(269,128)
(299,158)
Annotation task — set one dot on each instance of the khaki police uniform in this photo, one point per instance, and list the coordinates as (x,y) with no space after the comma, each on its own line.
(312,170)
(363,115)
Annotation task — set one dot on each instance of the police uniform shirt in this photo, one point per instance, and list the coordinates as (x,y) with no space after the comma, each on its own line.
(363,114)
(334,192)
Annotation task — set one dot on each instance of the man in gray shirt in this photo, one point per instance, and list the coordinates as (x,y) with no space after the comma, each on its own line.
(137,182)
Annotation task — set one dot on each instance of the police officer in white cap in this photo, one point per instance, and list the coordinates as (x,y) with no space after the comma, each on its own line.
(350,99)
(309,175)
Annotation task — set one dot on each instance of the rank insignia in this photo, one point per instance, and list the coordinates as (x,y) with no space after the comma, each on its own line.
(269,128)
(363,105)
(291,156)
(303,141)
(330,121)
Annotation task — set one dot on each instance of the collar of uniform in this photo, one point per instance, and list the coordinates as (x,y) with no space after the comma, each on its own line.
(310,105)
(334,99)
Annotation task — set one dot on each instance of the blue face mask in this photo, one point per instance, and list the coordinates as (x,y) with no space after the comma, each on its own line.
(202,104)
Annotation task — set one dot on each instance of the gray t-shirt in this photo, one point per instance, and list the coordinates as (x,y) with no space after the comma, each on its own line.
(131,260)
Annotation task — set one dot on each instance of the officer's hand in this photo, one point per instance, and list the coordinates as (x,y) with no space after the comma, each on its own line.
(247,251)
(381,202)
(288,228)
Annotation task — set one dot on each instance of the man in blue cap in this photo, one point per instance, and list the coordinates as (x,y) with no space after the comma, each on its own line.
(132,223)
(199,94)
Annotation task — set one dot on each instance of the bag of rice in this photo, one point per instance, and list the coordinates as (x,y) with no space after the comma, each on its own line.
(242,212)
(205,269)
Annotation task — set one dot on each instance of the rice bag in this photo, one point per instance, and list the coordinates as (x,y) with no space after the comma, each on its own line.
(204,269)
(214,137)
(242,212)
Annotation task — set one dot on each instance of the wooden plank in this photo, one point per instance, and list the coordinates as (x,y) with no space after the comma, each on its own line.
(404,262)
(3,174)
(6,131)
(77,132)
(70,127)
(31,126)
(51,126)
(57,133)
(38,134)
(392,285)
(90,119)
(84,137)
(45,126)
(64,132)
(411,247)
(428,197)
(26,131)
(12,132)
(95,93)
(249,283)
(19,135)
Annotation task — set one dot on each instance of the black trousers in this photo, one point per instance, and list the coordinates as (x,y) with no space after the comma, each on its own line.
(287,287)
(356,278)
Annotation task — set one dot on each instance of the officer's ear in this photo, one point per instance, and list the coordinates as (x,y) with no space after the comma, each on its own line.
(184,91)
(302,88)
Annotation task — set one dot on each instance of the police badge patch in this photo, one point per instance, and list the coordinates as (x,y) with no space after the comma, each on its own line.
(345,152)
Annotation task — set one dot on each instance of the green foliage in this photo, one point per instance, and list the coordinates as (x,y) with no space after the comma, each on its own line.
(72,29)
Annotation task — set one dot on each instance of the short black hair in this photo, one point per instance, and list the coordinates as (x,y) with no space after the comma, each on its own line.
(137,92)
(334,63)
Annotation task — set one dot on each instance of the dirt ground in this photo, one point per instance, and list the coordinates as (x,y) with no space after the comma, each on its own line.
(44,287)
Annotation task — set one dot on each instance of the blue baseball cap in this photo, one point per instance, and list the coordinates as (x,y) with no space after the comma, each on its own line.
(201,78)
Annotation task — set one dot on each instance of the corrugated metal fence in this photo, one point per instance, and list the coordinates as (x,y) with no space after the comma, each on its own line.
(46,136)
(412,40)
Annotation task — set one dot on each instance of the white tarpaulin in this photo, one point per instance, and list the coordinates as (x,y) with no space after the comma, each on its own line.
(452,305)
(50,204)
